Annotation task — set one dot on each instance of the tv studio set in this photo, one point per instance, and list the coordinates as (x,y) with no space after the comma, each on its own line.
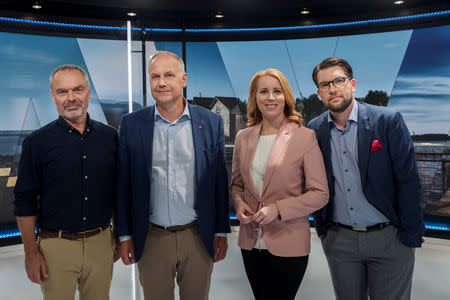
(268,149)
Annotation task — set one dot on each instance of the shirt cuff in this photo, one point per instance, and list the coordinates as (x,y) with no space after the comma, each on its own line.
(221,234)
(124,238)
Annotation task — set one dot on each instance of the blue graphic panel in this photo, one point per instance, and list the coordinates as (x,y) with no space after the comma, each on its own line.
(207,76)
(27,62)
(421,91)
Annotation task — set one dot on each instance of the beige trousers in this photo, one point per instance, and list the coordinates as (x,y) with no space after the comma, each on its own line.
(86,263)
(169,254)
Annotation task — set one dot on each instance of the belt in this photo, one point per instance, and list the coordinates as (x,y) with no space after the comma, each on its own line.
(363,228)
(49,233)
(174,228)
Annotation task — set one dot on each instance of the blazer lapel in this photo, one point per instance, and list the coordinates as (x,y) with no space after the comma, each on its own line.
(146,134)
(279,145)
(364,136)
(252,142)
(198,135)
(324,140)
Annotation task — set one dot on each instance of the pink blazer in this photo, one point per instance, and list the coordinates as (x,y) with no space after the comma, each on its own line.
(295,180)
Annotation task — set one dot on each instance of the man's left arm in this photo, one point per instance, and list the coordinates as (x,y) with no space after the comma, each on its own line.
(407,183)
(221,198)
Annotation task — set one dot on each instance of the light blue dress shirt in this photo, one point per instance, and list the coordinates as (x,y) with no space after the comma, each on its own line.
(172,196)
(350,206)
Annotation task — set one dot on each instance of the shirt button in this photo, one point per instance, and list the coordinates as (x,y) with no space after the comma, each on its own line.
(348,190)
(85,177)
(345,152)
(345,170)
(351,208)
(85,198)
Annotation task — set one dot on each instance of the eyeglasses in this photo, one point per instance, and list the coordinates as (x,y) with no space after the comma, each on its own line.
(337,82)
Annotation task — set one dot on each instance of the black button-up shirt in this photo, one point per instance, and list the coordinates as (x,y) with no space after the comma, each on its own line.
(67,179)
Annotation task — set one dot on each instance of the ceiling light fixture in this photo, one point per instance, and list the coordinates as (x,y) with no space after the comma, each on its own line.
(131,14)
(304,11)
(37,5)
(399,2)
(219,14)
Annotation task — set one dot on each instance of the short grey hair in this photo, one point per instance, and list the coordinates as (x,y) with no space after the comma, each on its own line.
(69,67)
(179,59)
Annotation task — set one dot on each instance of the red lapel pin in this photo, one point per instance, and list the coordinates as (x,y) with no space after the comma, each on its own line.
(200,126)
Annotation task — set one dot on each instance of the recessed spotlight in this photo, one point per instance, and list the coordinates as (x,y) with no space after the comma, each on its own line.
(37,5)
(131,14)
(399,2)
(304,11)
(219,14)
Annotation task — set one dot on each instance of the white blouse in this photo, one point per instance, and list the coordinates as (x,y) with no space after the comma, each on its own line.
(257,172)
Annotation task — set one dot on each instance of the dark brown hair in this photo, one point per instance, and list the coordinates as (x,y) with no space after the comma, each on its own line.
(331,62)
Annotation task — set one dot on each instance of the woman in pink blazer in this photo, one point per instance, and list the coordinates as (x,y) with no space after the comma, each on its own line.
(278,179)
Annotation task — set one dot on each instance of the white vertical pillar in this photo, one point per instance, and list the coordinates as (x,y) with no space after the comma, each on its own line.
(135,288)
(130,85)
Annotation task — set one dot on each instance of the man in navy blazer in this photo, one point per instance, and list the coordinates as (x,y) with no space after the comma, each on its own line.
(373,221)
(172,212)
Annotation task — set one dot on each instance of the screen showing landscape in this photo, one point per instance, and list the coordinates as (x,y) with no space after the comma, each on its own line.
(407,71)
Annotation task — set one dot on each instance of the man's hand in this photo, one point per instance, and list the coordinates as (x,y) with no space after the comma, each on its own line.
(220,245)
(126,252)
(244,213)
(266,214)
(36,266)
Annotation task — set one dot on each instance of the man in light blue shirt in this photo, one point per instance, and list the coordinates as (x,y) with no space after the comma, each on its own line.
(373,220)
(350,206)
(172,209)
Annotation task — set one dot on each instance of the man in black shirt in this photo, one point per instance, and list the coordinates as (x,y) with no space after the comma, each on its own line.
(66,185)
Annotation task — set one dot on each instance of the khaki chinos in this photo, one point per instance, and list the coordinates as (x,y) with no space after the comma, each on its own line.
(86,263)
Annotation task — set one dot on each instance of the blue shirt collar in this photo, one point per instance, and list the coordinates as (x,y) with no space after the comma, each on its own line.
(185,115)
(353,114)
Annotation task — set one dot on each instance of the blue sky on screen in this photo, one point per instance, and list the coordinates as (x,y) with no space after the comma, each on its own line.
(375,59)
(243,59)
(27,62)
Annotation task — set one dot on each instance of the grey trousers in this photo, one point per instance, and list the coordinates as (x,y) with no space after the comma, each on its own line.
(364,264)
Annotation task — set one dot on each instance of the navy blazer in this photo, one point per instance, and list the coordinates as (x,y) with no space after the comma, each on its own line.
(389,176)
(135,169)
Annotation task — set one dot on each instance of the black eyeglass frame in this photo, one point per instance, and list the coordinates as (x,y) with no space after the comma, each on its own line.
(326,84)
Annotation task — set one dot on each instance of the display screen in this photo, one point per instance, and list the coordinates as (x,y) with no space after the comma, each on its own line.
(407,71)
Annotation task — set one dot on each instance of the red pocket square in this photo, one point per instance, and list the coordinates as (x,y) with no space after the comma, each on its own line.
(376,145)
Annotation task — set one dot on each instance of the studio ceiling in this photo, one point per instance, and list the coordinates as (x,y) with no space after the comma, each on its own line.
(201,14)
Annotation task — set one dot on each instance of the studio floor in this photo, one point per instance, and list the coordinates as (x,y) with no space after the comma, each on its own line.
(431,275)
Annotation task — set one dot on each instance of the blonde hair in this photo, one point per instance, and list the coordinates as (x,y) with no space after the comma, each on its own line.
(254,114)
